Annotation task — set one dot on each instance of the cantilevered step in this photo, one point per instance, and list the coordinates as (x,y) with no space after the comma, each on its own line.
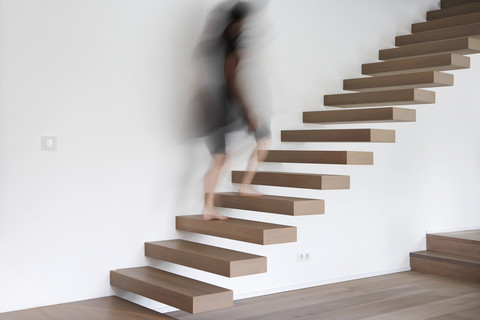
(238,229)
(437,62)
(448,22)
(216,260)
(446,264)
(454,11)
(339,135)
(183,293)
(469,30)
(371,115)
(465,243)
(458,46)
(273,204)
(379,98)
(453,3)
(319,157)
(399,81)
(296,180)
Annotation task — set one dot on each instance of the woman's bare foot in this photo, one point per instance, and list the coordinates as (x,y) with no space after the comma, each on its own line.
(246,190)
(210,214)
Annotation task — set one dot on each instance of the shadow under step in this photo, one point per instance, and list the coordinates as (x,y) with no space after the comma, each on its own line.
(453,3)
(438,62)
(180,292)
(318,157)
(379,98)
(469,30)
(296,180)
(371,115)
(464,243)
(239,229)
(272,204)
(339,135)
(445,264)
(448,22)
(400,81)
(464,45)
(454,11)
(228,263)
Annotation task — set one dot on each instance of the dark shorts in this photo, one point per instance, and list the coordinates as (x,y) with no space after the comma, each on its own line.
(216,141)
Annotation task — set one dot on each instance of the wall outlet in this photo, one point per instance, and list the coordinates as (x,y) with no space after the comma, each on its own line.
(49,143)
(303,256)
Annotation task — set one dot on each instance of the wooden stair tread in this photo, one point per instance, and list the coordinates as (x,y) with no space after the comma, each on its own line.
(339,135)
(371,115)
(472,236)
(465,243)
(448,22)
(319,157)
(239,229)
(273,204)
(453,3)
(217,260)
(453,11)
(187,294)
(465,45)
(296,180)
(446,257)
(468,30)
(437,62)
(445,264)
(399,81)
(379,98)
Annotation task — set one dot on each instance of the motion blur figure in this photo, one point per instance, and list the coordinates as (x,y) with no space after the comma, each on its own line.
(221,104)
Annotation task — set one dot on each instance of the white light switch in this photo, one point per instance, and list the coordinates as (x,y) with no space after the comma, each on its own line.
(49,143)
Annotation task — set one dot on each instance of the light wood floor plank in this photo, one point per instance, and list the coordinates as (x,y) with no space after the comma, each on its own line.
(404,295)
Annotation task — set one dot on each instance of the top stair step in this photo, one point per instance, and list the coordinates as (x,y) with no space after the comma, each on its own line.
(464,243)
(454,11)
(469,30)
(462,46)
(180,292)
(238,229)
(228,263)
(438,62)
(448,22)
(453,3)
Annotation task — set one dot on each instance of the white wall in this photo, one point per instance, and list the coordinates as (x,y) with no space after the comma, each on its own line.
(108,78)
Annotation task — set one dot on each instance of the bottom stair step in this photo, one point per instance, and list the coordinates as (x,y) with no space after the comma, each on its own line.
(446,264)
(183,293)
(217,260)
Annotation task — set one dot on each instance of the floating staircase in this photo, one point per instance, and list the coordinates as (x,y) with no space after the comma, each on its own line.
(417,62)
(454,254)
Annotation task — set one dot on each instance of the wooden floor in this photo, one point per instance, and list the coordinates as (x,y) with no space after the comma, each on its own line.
(406,296)
(108,308)
(403,296)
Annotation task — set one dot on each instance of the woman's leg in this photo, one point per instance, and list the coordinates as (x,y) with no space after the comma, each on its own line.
(252,167)
(210,183)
